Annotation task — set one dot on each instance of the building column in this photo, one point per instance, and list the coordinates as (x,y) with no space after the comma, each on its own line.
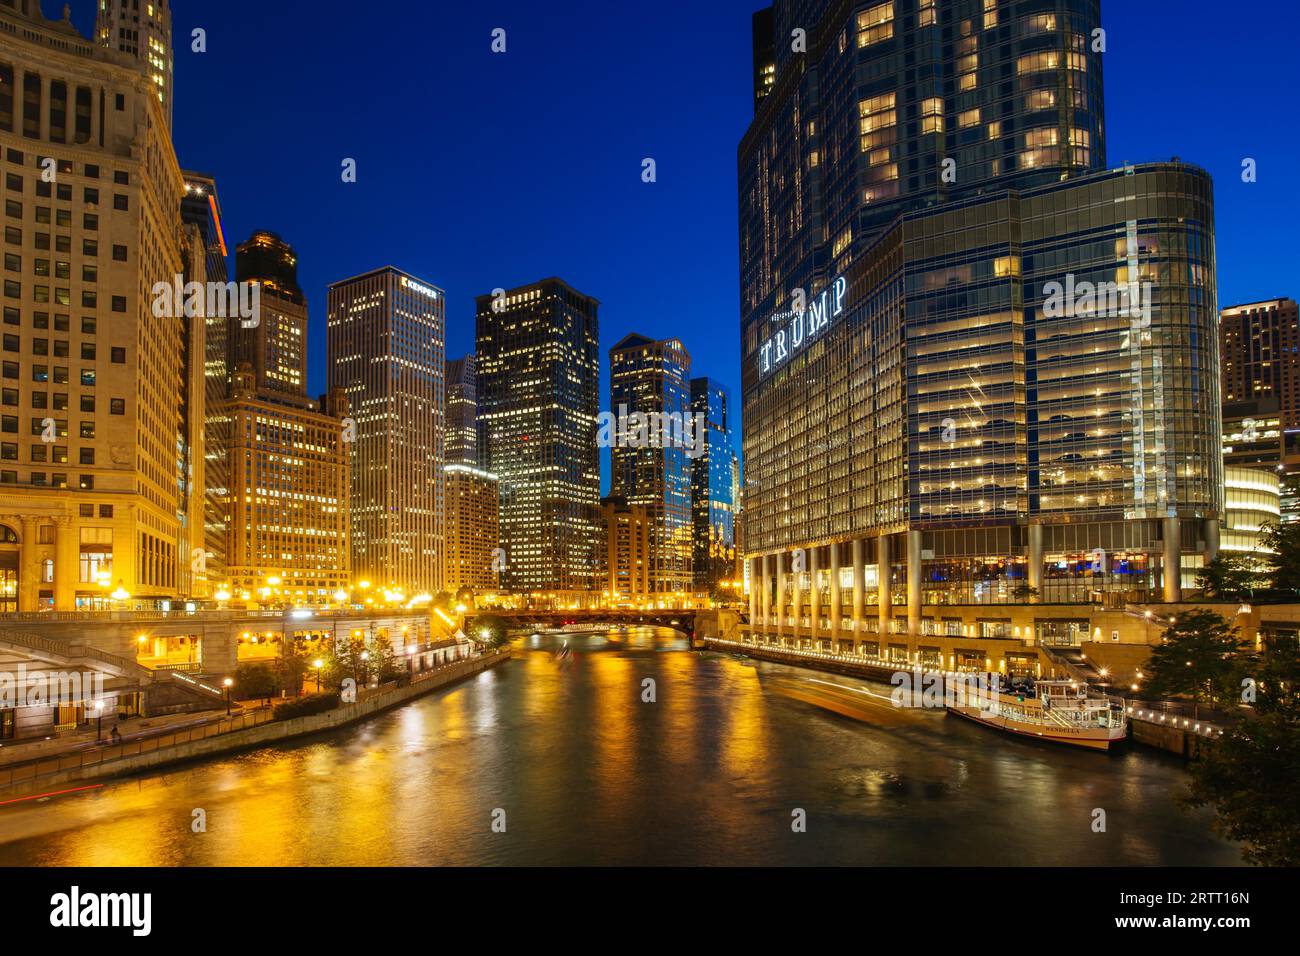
(753,593)
(1211,539)
(780,594)
(1173,561)
(796,595)
(884,599)
(815,590)
(1035,557)
(837,599)
(65,564)
(766,592)
(859,590)
(914,582)
(46,83)
(29,565)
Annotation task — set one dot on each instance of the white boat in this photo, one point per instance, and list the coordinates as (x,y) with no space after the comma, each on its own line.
(1064,712)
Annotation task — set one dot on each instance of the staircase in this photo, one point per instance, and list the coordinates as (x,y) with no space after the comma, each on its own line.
(1073,662)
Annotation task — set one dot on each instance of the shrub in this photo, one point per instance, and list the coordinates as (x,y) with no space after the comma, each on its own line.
(305,706)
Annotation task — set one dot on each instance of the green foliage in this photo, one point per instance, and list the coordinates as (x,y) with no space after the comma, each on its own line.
(254,681)
(1248,776)
(488,629)
(305,706)
(1283,565)
(1231,576)
(1198,658)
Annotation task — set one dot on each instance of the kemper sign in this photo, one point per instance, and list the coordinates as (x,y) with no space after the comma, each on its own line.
(802,327)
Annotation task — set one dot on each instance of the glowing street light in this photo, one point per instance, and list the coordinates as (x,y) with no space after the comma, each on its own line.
(121,594)
(229,683)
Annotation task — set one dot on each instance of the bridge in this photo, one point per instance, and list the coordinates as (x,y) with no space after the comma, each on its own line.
(686,620)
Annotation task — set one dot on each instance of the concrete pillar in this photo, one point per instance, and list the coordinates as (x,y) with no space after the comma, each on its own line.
(29,565)
(884,600)
(753,593)
(1211,532)
(780,594)
(859,589)
(65,563)
(767,591)
(914,582)
(798,564)
(1173,561)
(44,110)
(837,599)
(815,589)
(1035,557)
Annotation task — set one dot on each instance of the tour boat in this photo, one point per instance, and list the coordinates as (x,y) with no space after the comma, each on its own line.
(1062,711)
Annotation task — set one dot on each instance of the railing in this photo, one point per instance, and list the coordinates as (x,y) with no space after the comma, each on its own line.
(107,753)
(209,614)
(70,651)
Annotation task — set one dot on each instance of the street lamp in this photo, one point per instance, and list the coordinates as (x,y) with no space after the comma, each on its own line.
(228,682)
(320,685)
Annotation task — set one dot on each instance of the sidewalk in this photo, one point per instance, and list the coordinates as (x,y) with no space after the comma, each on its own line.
(16,752)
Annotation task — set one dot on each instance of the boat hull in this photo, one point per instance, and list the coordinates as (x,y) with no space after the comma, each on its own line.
(1089,738)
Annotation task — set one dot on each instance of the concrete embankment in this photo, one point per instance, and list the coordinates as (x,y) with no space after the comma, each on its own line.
(68,770)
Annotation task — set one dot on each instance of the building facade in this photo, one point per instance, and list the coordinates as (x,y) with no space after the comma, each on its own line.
(1254,436)
(538,370)
(625,553)
(976,392)
(274,343)
(387,352)
(654,449)
(143,31)
(462,412)
(714,487)
(473,558)
(96,393)
(289,531)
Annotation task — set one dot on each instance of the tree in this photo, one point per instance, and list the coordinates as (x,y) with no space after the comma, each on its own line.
(254,681)
(489,629)
(1231,576)
(292,666)
(1248,775)
(383,662)
(1282,541)
(1197,658)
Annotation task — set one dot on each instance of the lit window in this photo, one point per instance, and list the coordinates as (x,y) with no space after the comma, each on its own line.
(876,24)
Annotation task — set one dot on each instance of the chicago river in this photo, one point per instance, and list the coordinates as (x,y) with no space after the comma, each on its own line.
(574,766)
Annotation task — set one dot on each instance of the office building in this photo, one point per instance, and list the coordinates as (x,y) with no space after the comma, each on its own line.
(538,374)
(625,556)
(473,558)
(142,29)
(714,479)
(989,390)
(387,352)
(1260,346)
(97,397)
(273,343)
(462,412)
(654,446)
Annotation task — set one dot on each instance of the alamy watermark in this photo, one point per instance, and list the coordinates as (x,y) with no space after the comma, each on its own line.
(1108,299)
(242,300)
(626,429)
(43,688)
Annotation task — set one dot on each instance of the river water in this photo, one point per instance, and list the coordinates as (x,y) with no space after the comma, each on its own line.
(568,759)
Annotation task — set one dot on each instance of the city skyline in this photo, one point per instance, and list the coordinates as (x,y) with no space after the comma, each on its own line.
(678,130)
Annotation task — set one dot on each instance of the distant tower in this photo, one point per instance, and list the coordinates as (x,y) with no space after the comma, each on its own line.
(276,347)
(143,29)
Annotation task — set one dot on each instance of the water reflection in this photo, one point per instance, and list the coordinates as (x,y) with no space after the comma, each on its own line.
(589,773)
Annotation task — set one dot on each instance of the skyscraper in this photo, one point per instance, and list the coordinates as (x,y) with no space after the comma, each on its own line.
(275,345)
(96,392)
(462,412)
(288,535)
(977,366)
(387,352)
(472,529)
(142,29)
(624,556)
(538,397)
(652,468)
(714,476)
(205,261)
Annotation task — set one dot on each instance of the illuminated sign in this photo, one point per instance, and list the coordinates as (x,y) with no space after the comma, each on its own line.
(801,327)
(422,289)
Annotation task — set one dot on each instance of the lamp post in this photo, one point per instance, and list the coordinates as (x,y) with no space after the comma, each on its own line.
(320,685)
(228,682)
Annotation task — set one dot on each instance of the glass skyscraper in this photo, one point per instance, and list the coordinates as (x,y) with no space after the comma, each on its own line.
(714,486)
(538,371)
(653,468)
(978,366)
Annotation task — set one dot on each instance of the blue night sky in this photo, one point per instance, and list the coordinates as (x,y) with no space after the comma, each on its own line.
(478,170)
